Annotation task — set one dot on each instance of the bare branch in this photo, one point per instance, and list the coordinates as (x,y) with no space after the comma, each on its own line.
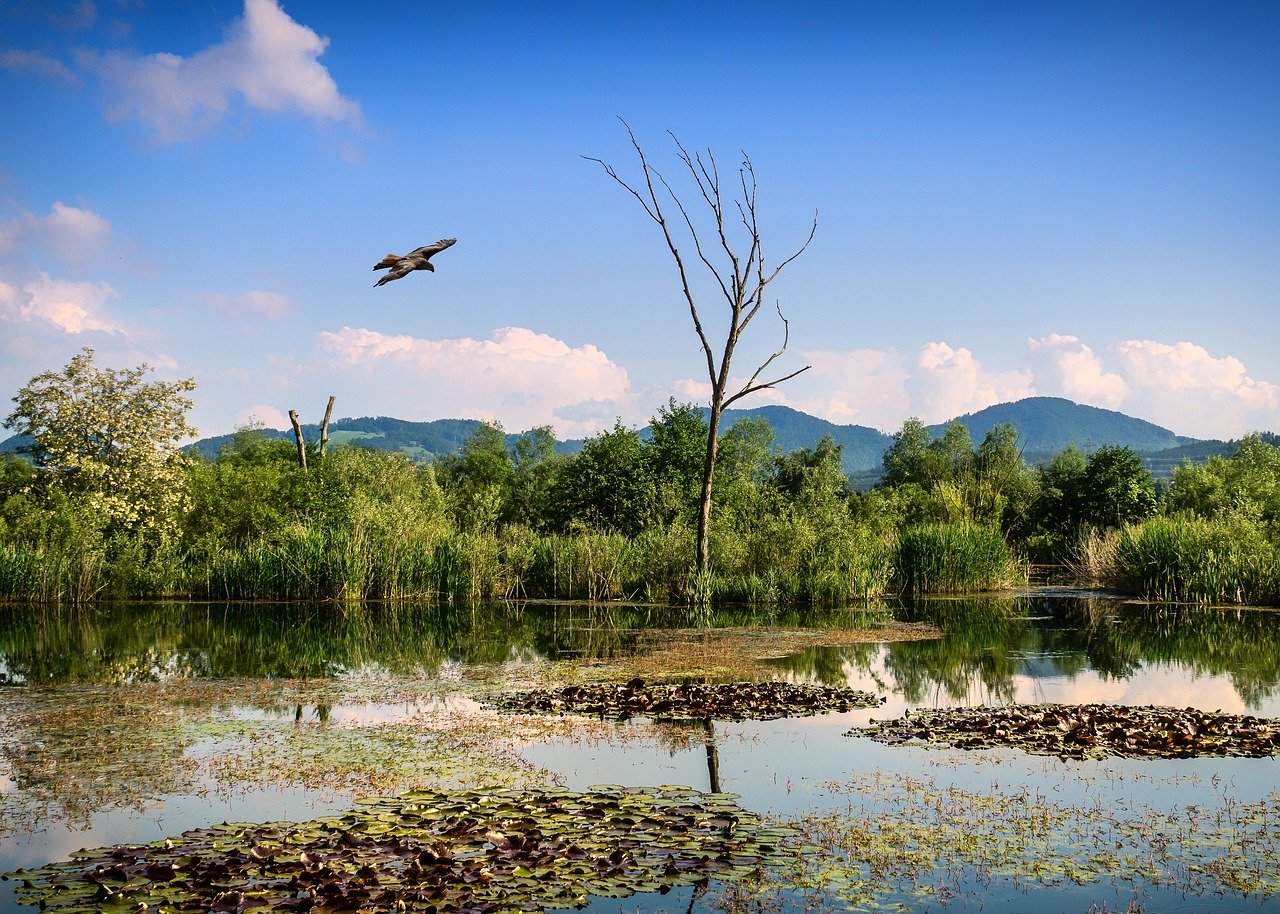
(751,386)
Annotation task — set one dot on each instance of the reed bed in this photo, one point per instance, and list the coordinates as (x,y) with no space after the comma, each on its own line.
(1192,560)
(954,558)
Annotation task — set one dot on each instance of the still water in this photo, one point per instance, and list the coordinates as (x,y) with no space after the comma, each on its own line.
(82,765)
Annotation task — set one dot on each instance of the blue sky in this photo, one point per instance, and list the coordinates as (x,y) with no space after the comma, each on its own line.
(1073,199)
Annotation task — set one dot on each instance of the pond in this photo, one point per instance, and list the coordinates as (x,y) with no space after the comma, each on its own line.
(138,723)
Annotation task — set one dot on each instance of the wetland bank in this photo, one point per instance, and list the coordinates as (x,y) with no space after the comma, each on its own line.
(139,723)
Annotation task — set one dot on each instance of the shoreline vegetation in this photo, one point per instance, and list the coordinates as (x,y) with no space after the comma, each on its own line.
(108,507)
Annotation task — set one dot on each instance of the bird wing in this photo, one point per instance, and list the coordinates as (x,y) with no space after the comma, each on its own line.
(389,261)
(428,249)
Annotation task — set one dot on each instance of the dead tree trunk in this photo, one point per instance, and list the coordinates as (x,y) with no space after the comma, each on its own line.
(324,428)
(734,259)
(297,437)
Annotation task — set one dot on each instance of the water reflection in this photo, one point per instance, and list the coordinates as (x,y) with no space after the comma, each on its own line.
(1066,648)
(139,673)
(992,647)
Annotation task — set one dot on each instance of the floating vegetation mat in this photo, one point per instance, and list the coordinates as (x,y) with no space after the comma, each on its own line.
(906,843)
(1085,731)
(691,701)
(463,852)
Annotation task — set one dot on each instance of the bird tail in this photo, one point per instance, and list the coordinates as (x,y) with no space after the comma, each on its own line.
(386,278)
(389,261)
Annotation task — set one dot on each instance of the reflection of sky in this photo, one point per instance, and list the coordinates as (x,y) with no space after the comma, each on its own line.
(1039,681)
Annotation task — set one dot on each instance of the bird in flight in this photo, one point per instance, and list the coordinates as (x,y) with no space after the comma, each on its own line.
(401,265)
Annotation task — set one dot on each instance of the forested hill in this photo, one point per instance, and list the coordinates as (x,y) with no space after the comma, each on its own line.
(1048,424)
(1045,425)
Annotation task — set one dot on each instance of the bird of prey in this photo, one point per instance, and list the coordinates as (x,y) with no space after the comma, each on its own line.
(402,265)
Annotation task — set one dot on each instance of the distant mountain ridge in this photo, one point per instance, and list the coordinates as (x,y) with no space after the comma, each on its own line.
(1048,424)
(1045,426)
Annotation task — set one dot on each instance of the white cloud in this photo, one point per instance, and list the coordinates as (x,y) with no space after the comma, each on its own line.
(517,376)
(68,233)
(267,60)
(36,62)
(73,307)
(1184,387)
(1068,367)
(950,382)
(72,234)
(251,305)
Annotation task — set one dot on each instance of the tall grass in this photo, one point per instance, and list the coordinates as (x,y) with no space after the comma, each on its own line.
(50,573)
(954,558)
(1191,560)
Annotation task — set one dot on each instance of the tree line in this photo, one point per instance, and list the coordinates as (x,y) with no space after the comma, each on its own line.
(105,504)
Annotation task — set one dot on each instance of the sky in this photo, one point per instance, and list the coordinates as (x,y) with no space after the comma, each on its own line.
(1026,199)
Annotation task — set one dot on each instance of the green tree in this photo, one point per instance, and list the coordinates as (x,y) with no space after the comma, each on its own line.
(676,452)
(252,488)
(1116,488)
(953,454)
(811,477)
(1246,484)
(478,478)
(910,459)
(535,466)
(608,487)
(110,438)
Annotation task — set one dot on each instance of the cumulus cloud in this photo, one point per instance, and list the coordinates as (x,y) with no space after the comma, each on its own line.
(261,415)
(517,376)
(73,307)
(1181,386)
(250,306)
(1070,368)
(1184,387)
(267,61)
(950,382)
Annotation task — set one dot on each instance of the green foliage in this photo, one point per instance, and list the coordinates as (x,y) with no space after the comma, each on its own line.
(677,454)
(535,466)
(110,437)
(1190,560)
(1246,484)
(478,479)
(609,487)
(1116,488)
(910,459)
(954,558)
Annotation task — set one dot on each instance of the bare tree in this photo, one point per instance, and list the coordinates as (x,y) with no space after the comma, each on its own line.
(735,260)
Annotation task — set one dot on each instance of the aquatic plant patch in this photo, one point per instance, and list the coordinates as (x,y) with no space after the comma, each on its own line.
(907,843)
(73,751)
(691,700)
(470,852)
(1085,731)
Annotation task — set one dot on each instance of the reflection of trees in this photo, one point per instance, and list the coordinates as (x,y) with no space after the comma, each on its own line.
(985,643)
(1241,644)
(988,641)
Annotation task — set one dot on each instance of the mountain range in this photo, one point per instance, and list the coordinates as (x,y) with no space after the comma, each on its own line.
(1045,426)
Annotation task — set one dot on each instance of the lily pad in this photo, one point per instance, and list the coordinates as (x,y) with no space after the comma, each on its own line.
(690,700)
(470,852)
(1085,731)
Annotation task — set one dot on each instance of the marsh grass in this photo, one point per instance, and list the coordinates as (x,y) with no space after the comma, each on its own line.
(49,574)
(954,558)
(1192,560)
